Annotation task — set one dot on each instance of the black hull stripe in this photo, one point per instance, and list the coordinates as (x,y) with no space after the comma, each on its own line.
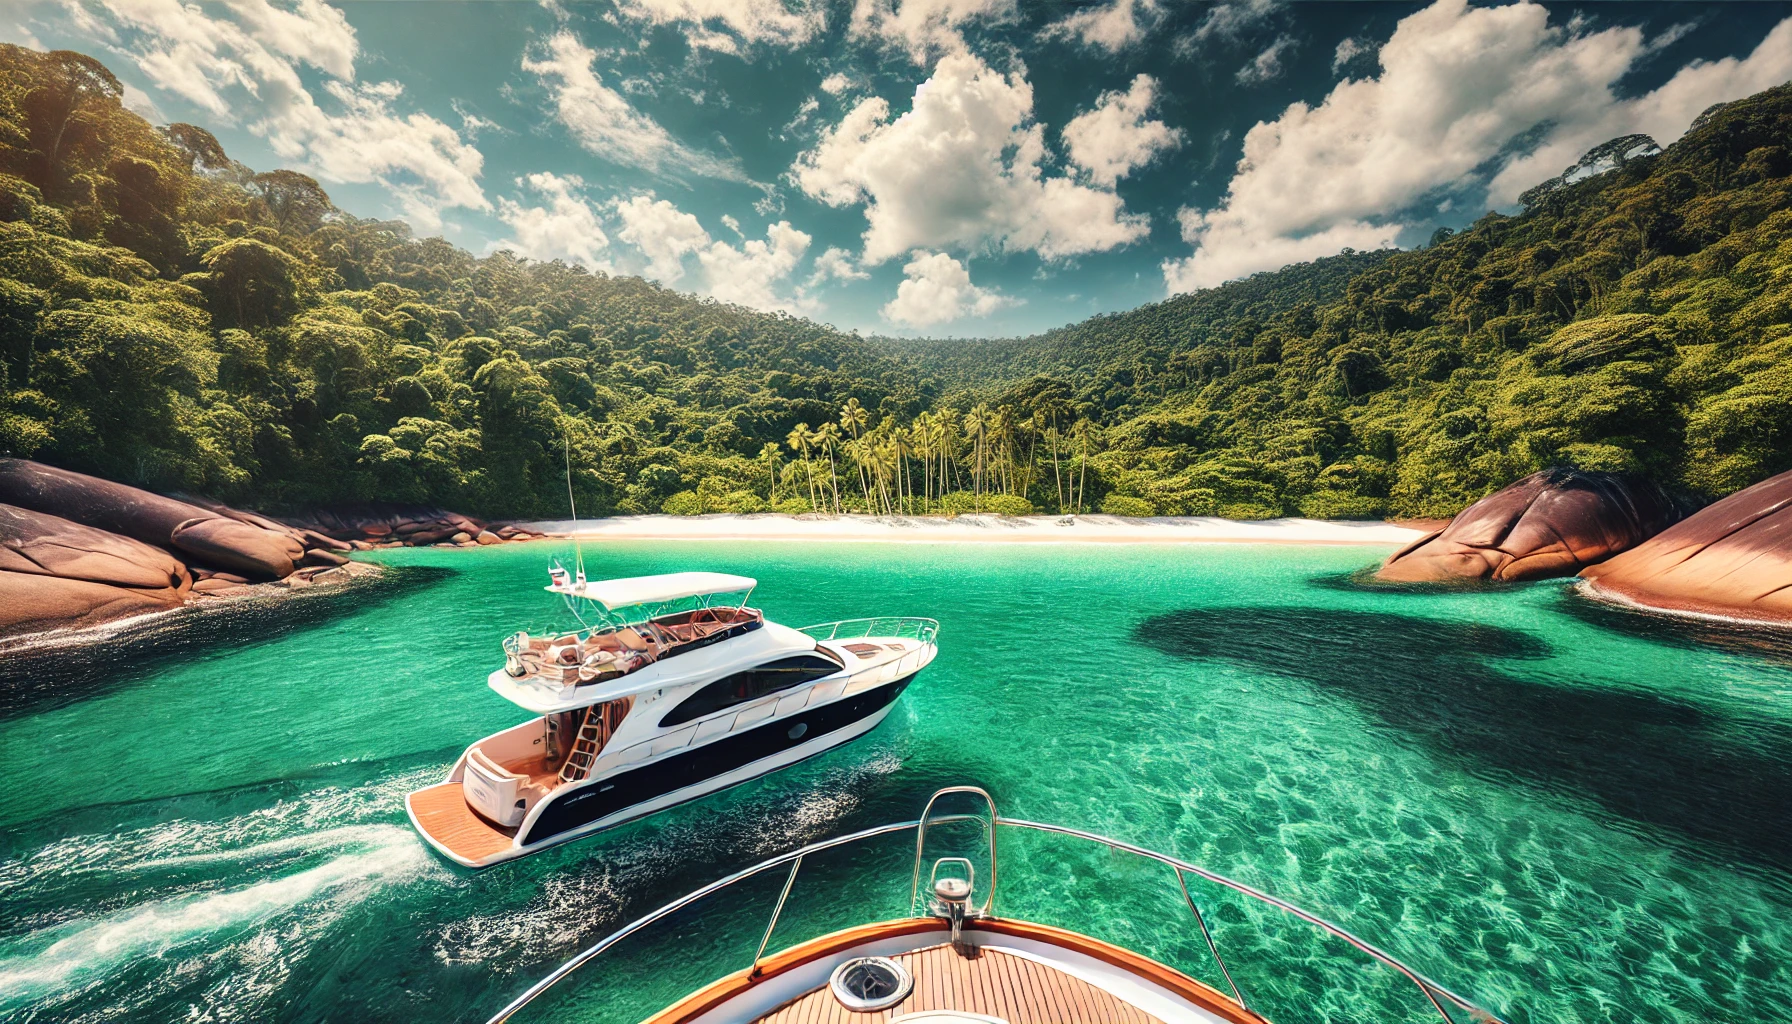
(619,792)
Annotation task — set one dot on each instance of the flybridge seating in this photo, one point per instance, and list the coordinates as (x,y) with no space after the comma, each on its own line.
(640,620)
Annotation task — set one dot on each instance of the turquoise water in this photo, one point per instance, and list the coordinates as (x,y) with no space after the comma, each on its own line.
(1567,813)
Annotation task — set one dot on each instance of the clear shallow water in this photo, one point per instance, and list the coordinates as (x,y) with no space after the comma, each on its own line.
(1571,814)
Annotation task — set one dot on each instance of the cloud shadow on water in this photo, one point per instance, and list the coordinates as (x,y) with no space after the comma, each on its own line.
(1681,771)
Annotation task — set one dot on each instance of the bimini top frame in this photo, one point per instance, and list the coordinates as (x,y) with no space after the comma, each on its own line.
(1436,995)
(638,590)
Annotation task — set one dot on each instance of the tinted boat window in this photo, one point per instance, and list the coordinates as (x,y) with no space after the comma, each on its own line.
(750,685)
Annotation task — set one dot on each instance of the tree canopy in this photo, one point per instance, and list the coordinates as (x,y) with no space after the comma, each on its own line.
(175,320)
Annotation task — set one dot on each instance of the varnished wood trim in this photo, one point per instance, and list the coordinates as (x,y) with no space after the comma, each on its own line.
(1164,977)
(720,991)
(717,992)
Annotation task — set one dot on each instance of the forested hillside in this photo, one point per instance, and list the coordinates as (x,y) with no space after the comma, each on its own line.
(173,319)
(1635,320)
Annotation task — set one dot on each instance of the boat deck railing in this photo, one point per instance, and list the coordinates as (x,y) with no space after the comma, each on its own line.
(1439,997)
(906,627)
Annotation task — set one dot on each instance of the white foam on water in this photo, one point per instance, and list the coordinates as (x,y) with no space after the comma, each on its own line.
(311,821)
(70,955)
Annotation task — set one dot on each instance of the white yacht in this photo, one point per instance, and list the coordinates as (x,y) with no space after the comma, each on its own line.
(673,688)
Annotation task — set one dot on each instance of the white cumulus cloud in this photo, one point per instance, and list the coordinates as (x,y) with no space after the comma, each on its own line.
(664,234)
(924,27)
(752,273)
(1459,86)
(604,122)
(1234,19)
(749,274)
(724,24)
(937,288)
(835,264)
(566,227)
(240,63)
(1117,136)
(1112,26)
(960,170)
(836,83)
(1267,65)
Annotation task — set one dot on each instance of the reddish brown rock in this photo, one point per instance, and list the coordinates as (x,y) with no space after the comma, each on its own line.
(55,573)
(77,497)
(216,535)
(1552,523)
(217,586)
(46,545)
(230,544)
(318,557)
(1732,558)
(31,603)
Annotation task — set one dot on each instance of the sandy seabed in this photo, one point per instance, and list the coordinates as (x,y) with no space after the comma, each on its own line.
(981,529)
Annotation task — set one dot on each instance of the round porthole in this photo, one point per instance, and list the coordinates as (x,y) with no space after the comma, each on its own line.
(870,983)
(797,730)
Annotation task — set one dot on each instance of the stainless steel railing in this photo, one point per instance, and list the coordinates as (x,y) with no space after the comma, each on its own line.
(902,626)
(1434,993)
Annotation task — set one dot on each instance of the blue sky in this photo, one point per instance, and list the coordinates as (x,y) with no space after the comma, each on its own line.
(944,167)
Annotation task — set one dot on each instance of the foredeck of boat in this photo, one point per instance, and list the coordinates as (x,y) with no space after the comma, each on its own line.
(1000,984)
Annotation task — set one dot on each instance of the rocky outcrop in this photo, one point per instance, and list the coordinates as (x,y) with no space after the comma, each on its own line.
(236,542)
(1552,523)
(1732,558)
(54,572)
(229,544)
(77,550)
(388,524)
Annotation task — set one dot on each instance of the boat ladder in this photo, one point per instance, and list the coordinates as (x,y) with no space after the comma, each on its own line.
(591,738)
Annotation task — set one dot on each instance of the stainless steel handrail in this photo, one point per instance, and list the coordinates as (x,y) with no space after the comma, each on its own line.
(1430,988)
(1425,984)
(585,955)
(913,627)
(989,901)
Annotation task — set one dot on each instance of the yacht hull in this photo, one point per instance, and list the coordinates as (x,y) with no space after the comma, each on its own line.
(618,797)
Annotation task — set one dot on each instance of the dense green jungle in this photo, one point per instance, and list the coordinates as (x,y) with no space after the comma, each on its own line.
(176,320)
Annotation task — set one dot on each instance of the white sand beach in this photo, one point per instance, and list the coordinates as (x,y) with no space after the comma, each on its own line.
(983,529)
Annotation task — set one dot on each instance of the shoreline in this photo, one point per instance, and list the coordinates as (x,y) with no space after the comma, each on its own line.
(1591,590)
(326,580)
(980,529)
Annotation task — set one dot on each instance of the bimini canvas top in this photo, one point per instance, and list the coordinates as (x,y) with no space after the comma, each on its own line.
(614,594)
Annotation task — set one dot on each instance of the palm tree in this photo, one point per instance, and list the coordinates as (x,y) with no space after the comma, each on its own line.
(828,436)
(801,437)
(903,441)
(1002,425)
(853,418)
(976,427)
(769,455)
(948,438)
(1084,431)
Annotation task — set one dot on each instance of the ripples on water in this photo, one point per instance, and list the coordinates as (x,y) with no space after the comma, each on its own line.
(1571,813)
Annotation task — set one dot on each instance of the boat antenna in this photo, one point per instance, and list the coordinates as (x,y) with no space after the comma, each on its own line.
(577,547)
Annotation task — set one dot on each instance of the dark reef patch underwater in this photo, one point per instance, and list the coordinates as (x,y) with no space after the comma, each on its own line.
(1658,761)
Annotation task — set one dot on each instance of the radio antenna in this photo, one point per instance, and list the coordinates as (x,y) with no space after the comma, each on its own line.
(577,547)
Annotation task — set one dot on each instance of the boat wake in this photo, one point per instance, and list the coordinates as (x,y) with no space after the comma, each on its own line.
(218,911)
(575,907)
(67,958)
